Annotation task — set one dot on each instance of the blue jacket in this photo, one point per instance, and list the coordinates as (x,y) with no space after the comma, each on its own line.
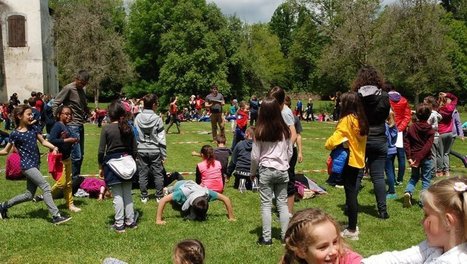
(339,157)
(391,134)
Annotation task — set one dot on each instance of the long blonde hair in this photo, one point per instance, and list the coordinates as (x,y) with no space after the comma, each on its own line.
(297,236)
(449,196)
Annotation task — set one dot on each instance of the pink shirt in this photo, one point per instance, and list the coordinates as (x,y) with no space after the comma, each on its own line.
(350,258)
(211,177)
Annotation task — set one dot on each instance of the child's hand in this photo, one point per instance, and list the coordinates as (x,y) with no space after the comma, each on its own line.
(101,174)
(55,150)
(160,222)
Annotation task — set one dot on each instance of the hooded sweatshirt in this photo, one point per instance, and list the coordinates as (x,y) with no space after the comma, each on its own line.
(241,157)
(445,125)
(150,133)
(376,105)
(418,141)
(401,109)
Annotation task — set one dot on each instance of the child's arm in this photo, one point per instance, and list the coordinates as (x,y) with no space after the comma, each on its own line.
(198,176)
(46,143)
(339,135)
(299,148)
(228,206)
(6,149)
(160,208)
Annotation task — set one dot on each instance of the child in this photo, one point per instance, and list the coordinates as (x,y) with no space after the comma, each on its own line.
(242,122)
(353,127)
(193,200)
(24,139)
(209,171)
(60,137)
(447,105)
(117,141)
(152,149)
(417,145)
(96,188)
(173,111)
(433,120)
(222,153)
(271,153)
(391,134)
(445,226)
(313,237)
(189,251)
(231,115)
(240,163)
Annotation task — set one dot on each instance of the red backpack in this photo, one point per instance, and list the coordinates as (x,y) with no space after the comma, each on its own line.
(13,167)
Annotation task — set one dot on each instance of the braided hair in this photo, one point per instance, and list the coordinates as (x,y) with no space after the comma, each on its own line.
(298,235)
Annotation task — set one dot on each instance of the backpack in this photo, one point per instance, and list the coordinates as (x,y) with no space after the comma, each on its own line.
(13,167)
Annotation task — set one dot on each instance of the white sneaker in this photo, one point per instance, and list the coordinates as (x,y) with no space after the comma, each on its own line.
(165,191)
(144,200)
(350,235)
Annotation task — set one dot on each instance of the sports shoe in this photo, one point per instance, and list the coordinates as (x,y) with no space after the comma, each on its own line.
(3,211)
(391,196)
(38,198)
(74,209)
(407,200)
(263,242)
(56,220)
(350,235)
(134,224)
(165,191)
(144,200)
(118,229)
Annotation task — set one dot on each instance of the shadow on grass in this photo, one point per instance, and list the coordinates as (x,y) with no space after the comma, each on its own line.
(275,232)
(111,218)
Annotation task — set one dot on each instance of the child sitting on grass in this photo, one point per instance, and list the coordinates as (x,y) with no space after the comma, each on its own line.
(445,226)
(194,201)
(312,237)
(417,145)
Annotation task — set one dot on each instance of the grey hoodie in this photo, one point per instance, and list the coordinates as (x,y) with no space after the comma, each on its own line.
(151,133)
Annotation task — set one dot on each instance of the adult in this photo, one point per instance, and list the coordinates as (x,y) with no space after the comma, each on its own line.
(214,101)
(14,102)
(74,96)
(173,111)
(337,106)
(402,116)
(299,109)
(254,107)
(447,105)
(279,94)
(369,84)
(309,110)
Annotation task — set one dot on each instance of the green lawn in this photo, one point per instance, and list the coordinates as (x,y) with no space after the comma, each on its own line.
(29,237)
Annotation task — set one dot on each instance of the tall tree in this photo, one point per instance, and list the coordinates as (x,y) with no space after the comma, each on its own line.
(88,35)
(411,46)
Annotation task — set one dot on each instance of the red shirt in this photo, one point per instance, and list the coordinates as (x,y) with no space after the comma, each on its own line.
(242,118)
(39,105)
(199,104)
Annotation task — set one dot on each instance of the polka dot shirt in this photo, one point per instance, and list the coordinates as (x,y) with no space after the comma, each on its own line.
(26,143)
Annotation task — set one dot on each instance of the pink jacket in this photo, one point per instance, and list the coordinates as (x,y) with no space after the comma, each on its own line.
(211,177)
(445,125)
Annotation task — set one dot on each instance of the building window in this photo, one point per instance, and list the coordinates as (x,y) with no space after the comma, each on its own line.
(16,31)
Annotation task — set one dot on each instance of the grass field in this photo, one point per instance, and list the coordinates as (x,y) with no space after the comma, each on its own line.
(29,237)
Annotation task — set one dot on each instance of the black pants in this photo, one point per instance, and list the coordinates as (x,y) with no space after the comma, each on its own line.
(350,175)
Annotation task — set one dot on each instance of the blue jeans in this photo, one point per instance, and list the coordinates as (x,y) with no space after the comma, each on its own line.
(77,151)
(424,171)
(401,164)
(273,182)
(390,172)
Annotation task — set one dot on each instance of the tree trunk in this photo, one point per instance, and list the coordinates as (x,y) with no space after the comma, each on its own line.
(417,97)
(96,97)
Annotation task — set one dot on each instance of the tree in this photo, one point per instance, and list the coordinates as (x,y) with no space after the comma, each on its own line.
(457,7)
(457,52)
(88,36)
(412,48)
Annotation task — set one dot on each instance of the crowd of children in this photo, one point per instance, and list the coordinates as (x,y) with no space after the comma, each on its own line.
(372,130)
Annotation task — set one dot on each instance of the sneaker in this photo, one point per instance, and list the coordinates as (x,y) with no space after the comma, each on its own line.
(134,224)
(339,186)
(263,242)
(350,235)
(391,196)
(144,200)
(38,198)
(383,215)
(118,229)
(60,219)
(3,211)
(165,191)
(397,183)
(407,200)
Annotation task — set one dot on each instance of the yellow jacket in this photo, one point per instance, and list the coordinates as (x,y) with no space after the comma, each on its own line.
(348,129)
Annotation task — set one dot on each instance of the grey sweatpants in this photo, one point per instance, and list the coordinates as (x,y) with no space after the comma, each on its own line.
(123,203)
(35,179)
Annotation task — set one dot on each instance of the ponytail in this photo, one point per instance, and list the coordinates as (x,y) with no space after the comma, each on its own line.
(208,154)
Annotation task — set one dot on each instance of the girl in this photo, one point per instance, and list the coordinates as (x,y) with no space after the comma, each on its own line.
(190,251)
(445,226)
(24,139)
(351,131)
(209,171)
(391,134)
(369,84)
(117,141)
(447,105)
(272,150)
(313,238)
(60,137)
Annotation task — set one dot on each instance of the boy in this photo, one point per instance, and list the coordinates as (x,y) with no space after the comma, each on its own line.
(242,122)
(152,149)
(240,163)
(194,200)
(417,146)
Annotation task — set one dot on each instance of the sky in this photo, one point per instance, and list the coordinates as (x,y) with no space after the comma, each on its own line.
(253,11)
